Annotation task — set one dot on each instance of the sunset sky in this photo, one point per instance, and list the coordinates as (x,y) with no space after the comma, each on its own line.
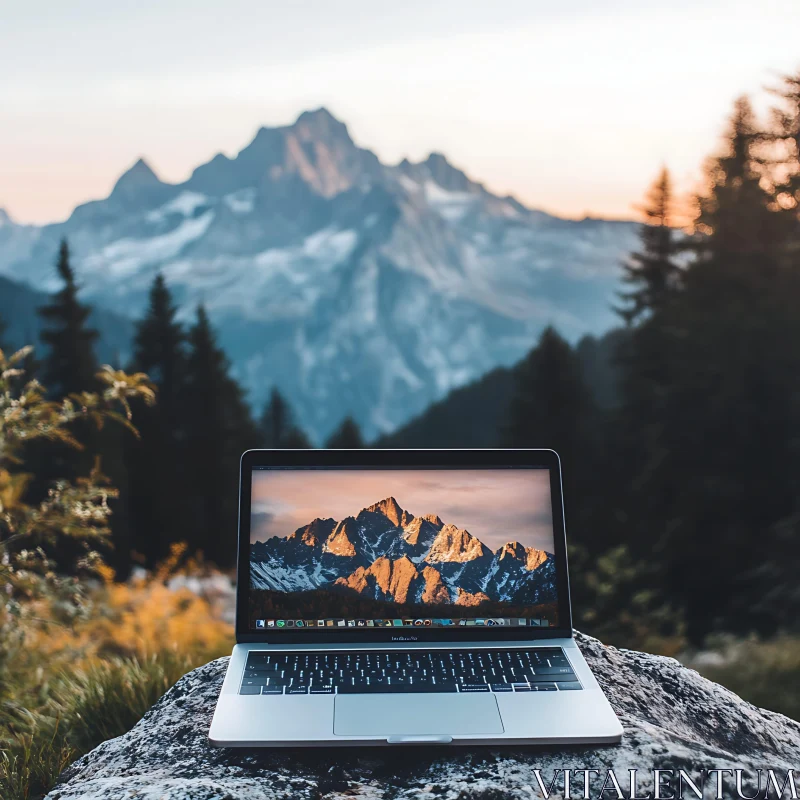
(572,107)
(497,506)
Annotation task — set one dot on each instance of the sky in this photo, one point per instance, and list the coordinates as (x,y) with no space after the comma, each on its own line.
(572,107)
(496,506)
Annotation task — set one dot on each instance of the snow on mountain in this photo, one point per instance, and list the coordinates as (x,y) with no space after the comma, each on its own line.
(354,286)
(455,545)
(386,553)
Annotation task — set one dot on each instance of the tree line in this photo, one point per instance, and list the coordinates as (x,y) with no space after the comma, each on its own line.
(679,432)
(178,480)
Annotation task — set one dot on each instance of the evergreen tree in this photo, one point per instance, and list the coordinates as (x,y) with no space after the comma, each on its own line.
(156,459)
(551,407)
(69,363)
(346,437)
(641,356)
(277,427)
(719,466)
(69,366)
(652,272)
(734,217)
(785,164)
(218,428)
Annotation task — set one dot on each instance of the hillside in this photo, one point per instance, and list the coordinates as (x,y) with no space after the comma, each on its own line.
(474,415)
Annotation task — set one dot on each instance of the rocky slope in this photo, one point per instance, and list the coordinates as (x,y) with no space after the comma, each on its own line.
(673,718)
(386,553)
(355,286)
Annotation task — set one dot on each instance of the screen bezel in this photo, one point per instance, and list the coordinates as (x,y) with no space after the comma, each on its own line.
(401,459)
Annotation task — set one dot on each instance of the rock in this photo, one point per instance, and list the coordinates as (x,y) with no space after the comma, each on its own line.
(673,719)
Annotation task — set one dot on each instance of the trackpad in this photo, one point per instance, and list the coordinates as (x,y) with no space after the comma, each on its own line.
(415,714)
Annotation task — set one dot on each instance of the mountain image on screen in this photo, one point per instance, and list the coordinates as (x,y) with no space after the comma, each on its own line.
(385,553)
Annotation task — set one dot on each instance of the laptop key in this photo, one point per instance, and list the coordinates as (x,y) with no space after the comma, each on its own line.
(566,686)
(545,687)
(250,690)
(297,690)
(501,687)
(322,690)
(474,687)
(272,690)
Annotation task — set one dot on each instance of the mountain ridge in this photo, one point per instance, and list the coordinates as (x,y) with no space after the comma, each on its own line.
(373,555)
(354,286)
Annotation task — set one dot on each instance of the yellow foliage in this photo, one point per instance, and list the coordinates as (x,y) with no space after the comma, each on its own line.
(99,670)
(141,618)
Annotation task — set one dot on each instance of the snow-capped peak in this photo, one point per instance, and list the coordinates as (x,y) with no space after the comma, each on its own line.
(529,557)
(372,289)
(390,509)
(454,544)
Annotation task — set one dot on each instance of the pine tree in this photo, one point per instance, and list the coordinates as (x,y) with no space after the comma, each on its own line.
(346,437)
(277,426)
(641,355)
(785,134)
(69,364)
(552,407)
(718,467)
(652,272)
(218,428)
(156,459)
(734,217)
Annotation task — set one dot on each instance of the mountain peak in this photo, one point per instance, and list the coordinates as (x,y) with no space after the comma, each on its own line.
(141,171)
(437,160)
(446,175)
(456,544)
(531,557)
(312,534)
(511,550)
(320,114)
(136,180)
(390,509)
(319,123)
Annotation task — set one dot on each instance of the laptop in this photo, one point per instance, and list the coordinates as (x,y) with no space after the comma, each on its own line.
(390,597)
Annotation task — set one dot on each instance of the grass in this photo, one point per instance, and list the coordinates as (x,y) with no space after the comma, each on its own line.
(765,673)
(67,686)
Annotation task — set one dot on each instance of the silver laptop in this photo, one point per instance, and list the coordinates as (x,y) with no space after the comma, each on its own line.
(402,597)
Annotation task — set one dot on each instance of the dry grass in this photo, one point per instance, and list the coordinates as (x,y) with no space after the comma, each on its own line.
(765,673)
(70,683)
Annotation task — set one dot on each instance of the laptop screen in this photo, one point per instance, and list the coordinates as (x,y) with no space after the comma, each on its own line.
(334,548)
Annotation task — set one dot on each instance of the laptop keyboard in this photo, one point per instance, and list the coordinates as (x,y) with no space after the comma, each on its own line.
(539,669)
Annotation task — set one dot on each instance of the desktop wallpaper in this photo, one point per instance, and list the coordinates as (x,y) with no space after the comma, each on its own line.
(383,544)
